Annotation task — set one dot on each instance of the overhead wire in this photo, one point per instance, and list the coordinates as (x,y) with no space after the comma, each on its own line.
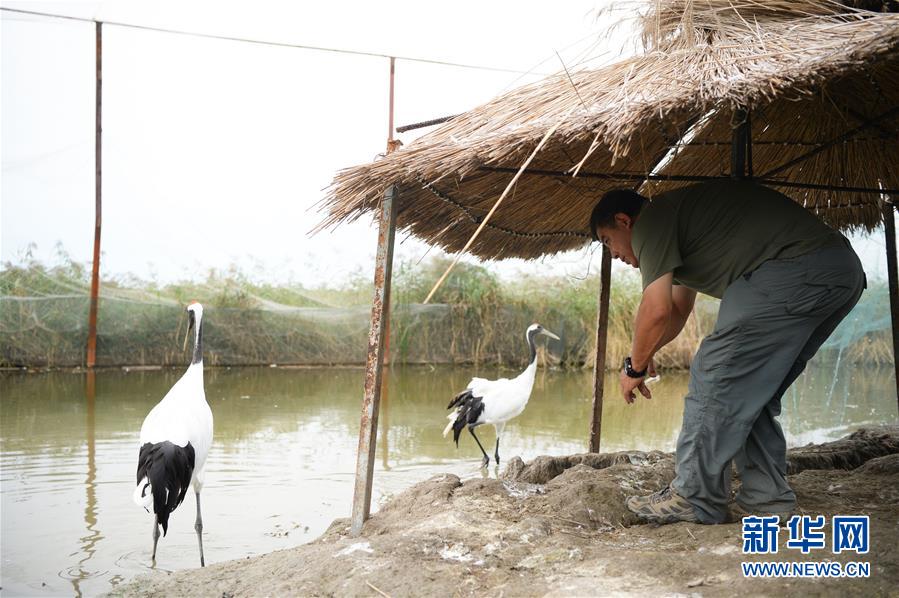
(248,40)
(584,55)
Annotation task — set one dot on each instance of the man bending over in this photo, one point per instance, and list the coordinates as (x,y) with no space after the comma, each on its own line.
(785,281)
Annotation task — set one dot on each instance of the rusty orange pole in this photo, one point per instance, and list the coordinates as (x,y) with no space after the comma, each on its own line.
(378,345)
(385,387)
(98,211)
(374,367)
(391,146)
(602,334)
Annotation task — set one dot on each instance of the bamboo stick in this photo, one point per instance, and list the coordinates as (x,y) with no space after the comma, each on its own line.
(498,202)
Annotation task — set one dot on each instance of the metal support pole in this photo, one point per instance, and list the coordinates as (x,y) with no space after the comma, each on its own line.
(749,169)
(602,333)
(889,230)
(385,387)
(392,144)
(740,124)
(98,211)
(390,117)
(368,427)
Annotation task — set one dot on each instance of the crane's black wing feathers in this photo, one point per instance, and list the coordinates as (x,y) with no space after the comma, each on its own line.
(470,409)
(168,467)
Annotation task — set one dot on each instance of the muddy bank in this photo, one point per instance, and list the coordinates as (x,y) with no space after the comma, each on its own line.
(558,526)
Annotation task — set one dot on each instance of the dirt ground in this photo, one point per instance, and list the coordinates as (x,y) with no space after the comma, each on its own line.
(558,526)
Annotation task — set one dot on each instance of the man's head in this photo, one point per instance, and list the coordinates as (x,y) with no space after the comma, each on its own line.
(612,222)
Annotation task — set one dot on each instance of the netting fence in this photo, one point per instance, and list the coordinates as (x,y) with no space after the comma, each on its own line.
(43,322)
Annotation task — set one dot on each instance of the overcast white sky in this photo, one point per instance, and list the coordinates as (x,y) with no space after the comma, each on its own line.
(216,152)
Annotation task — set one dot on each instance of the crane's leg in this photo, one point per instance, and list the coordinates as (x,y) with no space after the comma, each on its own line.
(199,527)
(156,535)
(486,458)
(499,432)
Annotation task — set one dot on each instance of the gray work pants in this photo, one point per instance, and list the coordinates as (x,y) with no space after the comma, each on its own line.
(770,323)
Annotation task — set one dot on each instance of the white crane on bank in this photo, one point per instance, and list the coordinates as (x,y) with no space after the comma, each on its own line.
(174,442)
(495,401)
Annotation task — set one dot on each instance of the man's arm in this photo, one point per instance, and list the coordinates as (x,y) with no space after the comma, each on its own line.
(652,323)
(654,320)
(682,299)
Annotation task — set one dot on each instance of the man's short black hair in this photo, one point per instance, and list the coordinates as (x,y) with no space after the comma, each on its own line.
(616,201)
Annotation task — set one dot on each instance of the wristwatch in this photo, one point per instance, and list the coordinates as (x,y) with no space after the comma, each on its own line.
(630,371)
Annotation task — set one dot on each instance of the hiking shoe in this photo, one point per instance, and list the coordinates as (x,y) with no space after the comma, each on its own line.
(738,512)
(665,506)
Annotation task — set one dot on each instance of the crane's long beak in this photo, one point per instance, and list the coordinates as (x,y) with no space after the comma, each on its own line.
(190,326)
(550,334)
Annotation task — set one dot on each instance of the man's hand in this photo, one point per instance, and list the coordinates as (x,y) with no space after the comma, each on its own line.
(628,385)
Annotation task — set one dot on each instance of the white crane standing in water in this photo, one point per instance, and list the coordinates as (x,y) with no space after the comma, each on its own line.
(495,401)
(174,442)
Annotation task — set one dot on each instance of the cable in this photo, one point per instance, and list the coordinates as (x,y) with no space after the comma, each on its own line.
(247,40)
(508,231)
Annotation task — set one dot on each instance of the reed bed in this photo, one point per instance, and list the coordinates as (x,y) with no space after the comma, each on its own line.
(475,318)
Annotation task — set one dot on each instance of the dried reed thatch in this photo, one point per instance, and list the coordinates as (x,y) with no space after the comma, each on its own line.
(818,77)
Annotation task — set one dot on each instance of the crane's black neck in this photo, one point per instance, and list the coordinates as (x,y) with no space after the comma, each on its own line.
(198,341)
(532,345)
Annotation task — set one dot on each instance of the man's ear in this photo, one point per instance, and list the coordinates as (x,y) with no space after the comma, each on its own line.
(624,221)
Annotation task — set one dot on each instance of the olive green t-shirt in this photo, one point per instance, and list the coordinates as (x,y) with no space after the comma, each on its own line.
(710,233)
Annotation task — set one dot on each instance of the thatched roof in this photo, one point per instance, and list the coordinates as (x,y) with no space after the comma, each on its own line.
(812,72)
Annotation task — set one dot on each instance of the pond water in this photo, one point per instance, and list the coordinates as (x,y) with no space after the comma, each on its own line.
(282,462)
